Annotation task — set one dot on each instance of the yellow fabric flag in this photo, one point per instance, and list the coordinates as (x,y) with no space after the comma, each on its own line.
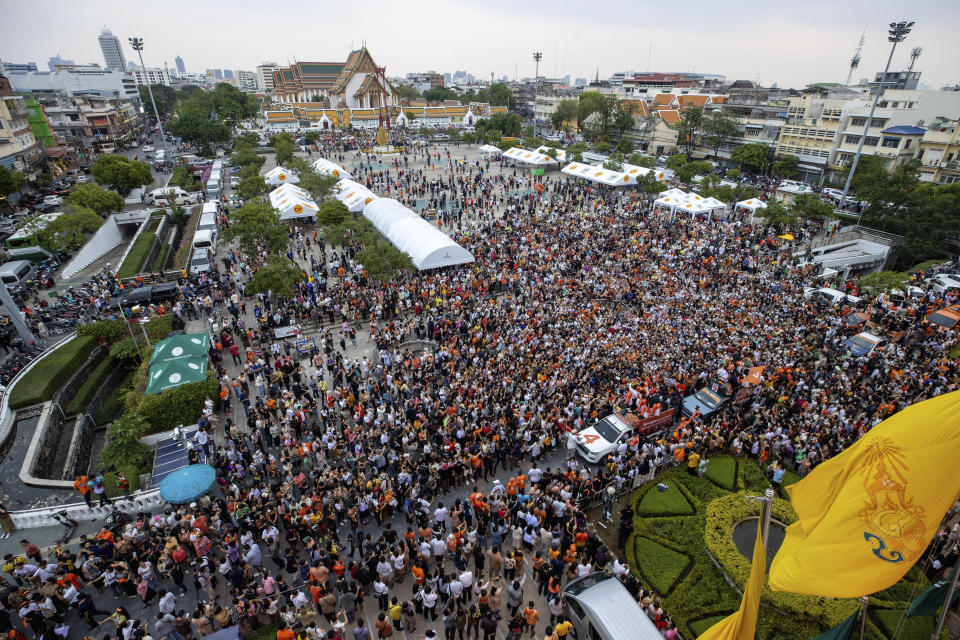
(866,515)
(742,624)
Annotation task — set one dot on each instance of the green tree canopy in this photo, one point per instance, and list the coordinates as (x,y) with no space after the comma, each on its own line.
(67,232)
(507,124)
(93,196)
(786,166)
(244,156)
(332,213)
(121,173)
(10,181)
(439,94)
(278,276)
(718,127)
(777,215)
(566,111)
(406,92)
(690,128)
(283,144)
(197,127)
(251,187)
(256,225)
(688,171)
(641,160)
(676,161)
(499,94)
(164,96)
(811,206)
(625,146)
(753,156)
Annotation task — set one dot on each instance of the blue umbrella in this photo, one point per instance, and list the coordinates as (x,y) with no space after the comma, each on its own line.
(188,483)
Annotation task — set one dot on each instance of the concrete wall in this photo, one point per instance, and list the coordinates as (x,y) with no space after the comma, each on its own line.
(102,242)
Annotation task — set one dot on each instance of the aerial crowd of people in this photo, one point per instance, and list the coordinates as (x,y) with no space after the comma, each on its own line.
(435,477)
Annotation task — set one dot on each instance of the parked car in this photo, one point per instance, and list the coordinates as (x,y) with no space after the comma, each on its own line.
(943,282)
(148,148)
(827,294)
(53,200)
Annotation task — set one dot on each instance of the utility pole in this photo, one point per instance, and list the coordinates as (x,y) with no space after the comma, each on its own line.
(898,33)
(137,44)
(537,57)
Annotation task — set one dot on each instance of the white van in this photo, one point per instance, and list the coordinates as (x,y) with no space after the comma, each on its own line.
(161,196)
(206,239)
(16,272)
(601,608)
(207,222)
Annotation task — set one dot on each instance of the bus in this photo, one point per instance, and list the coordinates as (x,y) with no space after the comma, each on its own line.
(24,236)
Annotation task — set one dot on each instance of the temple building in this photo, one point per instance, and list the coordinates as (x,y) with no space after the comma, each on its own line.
(357,83)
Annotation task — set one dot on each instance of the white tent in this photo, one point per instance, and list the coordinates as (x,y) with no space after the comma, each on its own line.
(559,154)
(670,200)
(293,202)
(528,157)
(694,207)
(326,168)
(353,194)
(750,205)
(595,174)
(489,150)
(427,246)
(715,204)
(279,175)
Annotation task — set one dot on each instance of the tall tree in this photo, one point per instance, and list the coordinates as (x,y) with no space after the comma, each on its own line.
(93,196)
(164,96)
(407,93)
(256,225)
(786,166)
(278,276)
(499,94)
(10,181)
(718,127)
(590,102)
(439,94)
(753,156)
(251,187)
(565,112)
(690,128)
(332,213)
(121,173)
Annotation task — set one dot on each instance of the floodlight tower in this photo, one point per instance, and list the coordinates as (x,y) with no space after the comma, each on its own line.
(855,60)
(537,57)
(914,54)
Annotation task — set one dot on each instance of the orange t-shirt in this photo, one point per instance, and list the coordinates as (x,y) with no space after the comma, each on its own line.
(285,634)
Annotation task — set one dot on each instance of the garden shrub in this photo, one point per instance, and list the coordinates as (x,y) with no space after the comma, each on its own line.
(47,376)
(660,565)
(112,406)
(667,503)
(123,446)
(918,627)
(702,625)
(723,471)
(133,477)
(182,405)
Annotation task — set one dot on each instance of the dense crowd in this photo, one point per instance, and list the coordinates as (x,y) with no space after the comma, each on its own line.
(339,479)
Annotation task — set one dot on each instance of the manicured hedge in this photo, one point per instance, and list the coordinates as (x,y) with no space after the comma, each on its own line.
(48,375)
(660,565)
(723,471)
(173,407)
(667,503)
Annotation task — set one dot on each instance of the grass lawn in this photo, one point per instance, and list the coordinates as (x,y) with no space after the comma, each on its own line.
(43,380)
(723,471)
(923,266)
(667,503)
(89,387)
(161,257)
(138,254)
(955,353)
(660,565)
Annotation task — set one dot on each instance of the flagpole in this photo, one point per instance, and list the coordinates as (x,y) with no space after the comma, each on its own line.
(863,617)
(764,522)
(946,605)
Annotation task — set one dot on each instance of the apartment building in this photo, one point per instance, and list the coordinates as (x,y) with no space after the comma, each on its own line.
(939,153)
(151,75)
(18,148)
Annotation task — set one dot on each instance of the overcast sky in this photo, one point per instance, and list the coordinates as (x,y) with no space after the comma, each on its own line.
(791,44)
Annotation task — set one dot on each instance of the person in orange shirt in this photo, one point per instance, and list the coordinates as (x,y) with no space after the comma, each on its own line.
(530,617)
(283,633)
(80,485)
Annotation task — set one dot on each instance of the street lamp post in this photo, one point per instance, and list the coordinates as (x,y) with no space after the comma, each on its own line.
(898,33)
(537,57)
(137,44)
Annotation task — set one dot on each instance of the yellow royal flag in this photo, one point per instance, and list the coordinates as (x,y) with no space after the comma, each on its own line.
(742,624)
(866,515)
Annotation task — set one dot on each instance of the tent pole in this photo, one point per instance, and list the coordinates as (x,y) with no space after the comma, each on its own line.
(946,605)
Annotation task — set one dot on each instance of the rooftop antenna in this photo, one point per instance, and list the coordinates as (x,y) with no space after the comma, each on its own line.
(649,56)
(855,60)
(914,54)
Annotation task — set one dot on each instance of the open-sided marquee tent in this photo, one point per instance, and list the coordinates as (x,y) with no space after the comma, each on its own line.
(489,150)
(326,168)
(292,202)
(553,152)
(279,175)
(427,246)
(526,156)
(353,194)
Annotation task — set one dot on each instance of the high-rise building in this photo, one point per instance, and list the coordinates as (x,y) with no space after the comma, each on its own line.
(265,76)
(55,60)
(245,80)
(11,67)
(131,65)
(227,74)
(181,68)
(112,53)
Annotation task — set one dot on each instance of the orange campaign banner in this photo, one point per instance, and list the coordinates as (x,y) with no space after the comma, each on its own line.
(646,426)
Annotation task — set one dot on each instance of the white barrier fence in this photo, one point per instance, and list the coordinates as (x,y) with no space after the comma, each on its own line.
(79,511)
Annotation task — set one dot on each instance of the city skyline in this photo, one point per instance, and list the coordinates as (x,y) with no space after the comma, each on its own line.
(769,44)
